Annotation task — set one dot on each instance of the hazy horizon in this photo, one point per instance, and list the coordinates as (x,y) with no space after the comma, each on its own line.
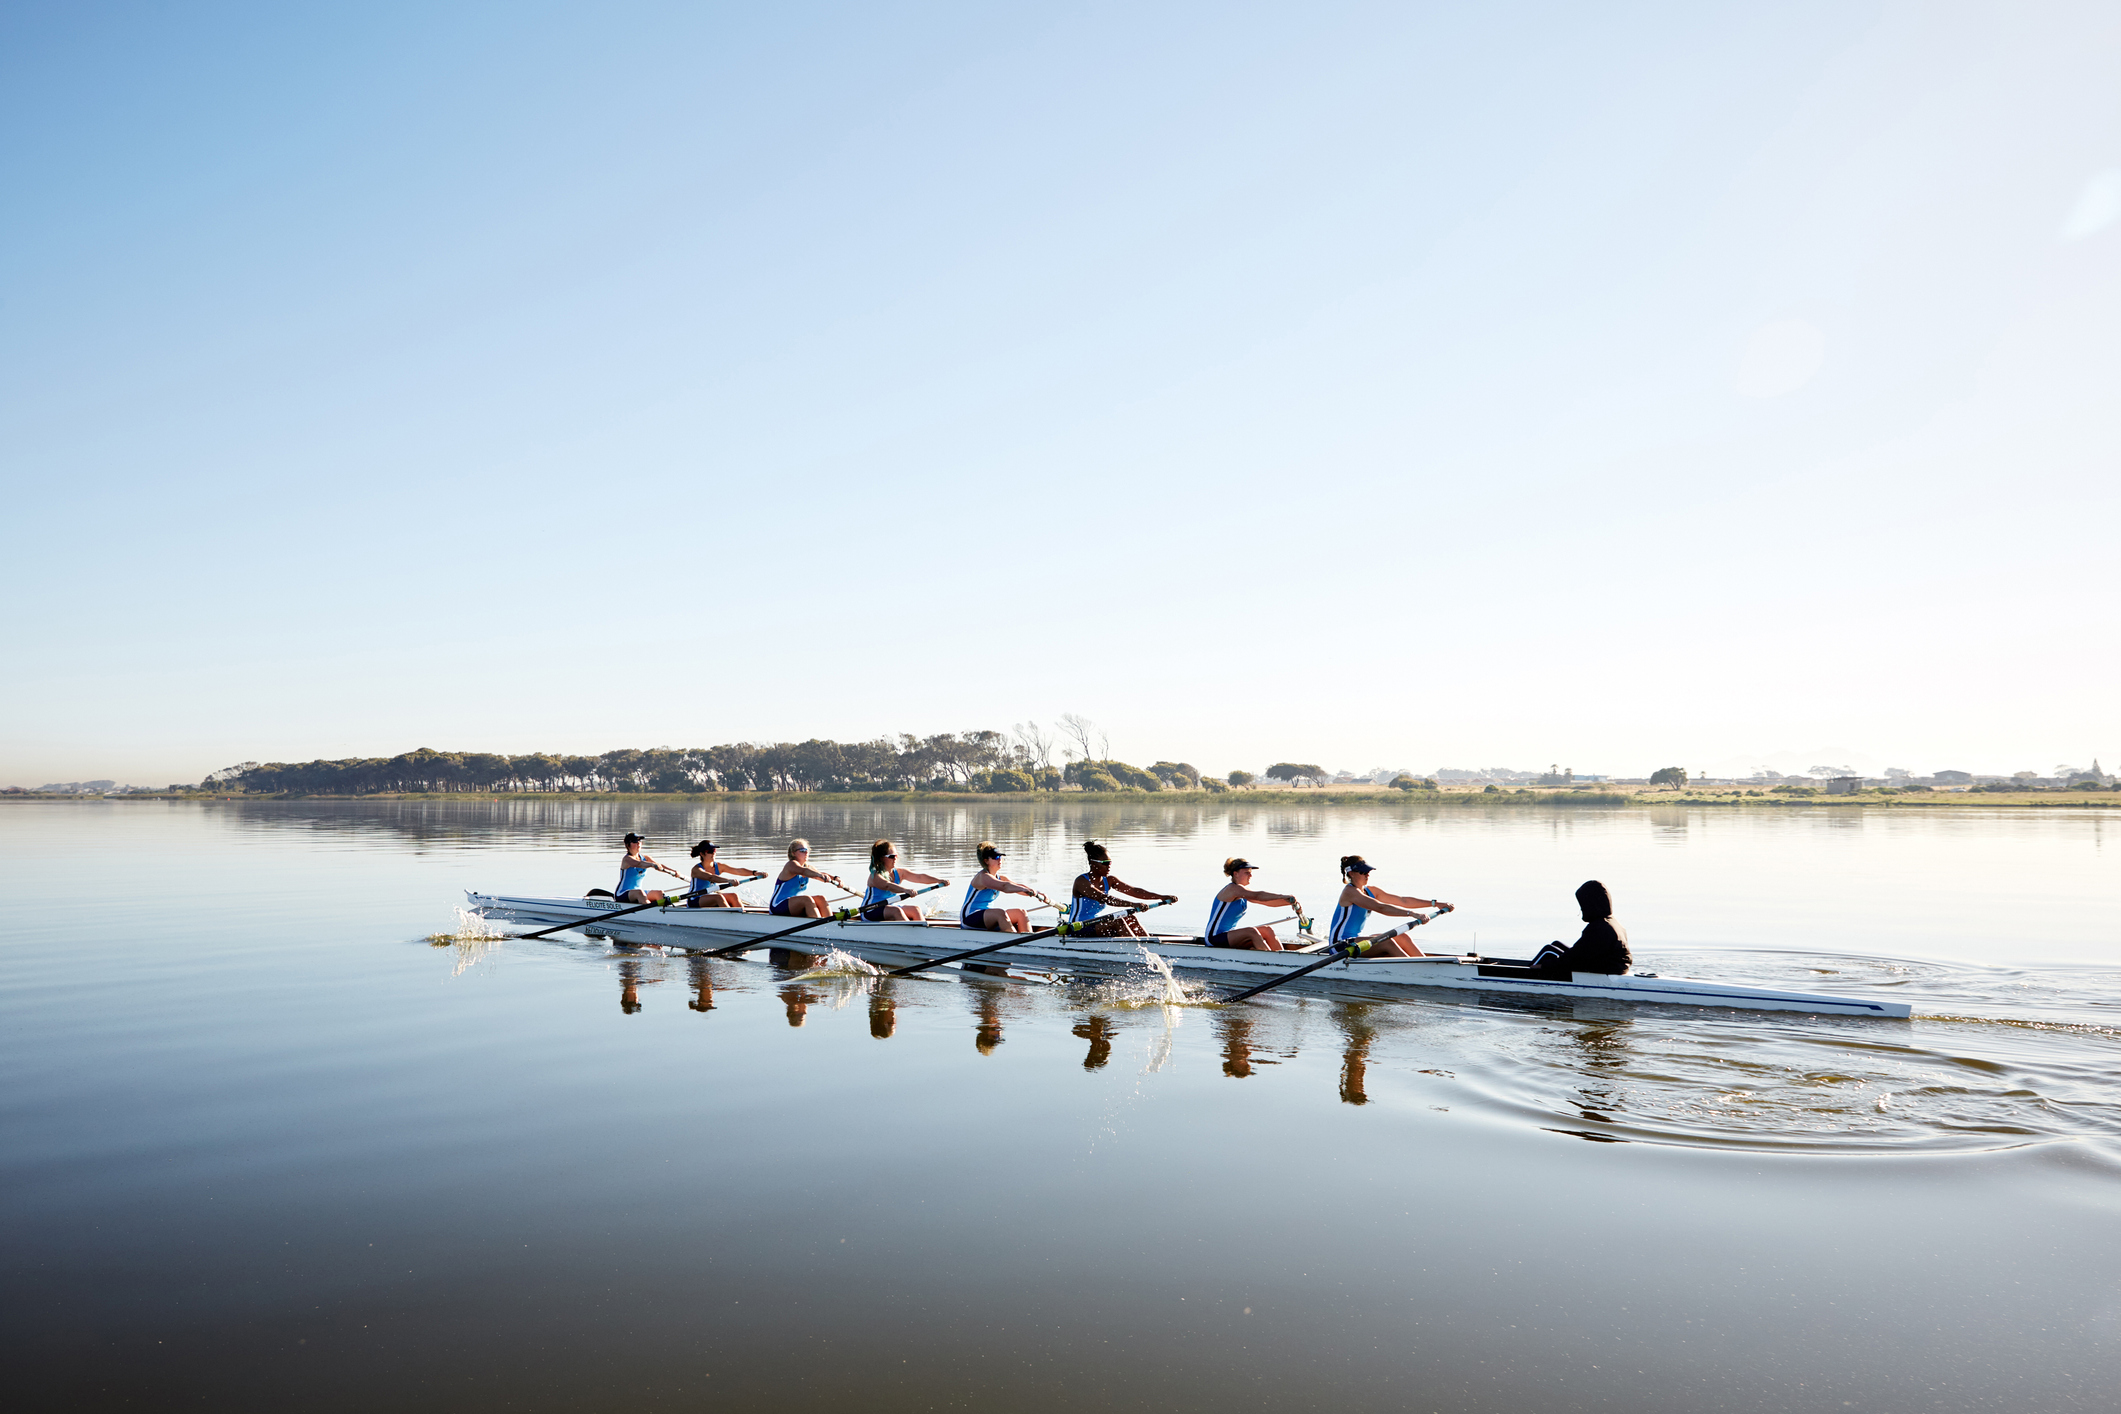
(1620,388)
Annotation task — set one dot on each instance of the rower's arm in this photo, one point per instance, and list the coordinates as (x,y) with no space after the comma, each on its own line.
(1255,896)
(1130,889)
(911,877)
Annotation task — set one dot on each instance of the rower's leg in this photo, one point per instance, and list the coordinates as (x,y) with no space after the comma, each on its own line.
(1267,941)
(1018,923)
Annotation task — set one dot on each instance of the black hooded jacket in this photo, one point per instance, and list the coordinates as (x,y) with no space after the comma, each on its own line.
(1604,944)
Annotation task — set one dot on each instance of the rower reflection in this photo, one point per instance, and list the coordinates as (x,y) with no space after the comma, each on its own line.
(1353,1020)
(1237,1044)
(1097,1030)
(797,1000)
(702,985)
(988,1034)
(629,985)
(883,1013)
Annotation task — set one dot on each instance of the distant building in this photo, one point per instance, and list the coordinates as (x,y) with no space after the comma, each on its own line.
(1844,785)
(1954,778)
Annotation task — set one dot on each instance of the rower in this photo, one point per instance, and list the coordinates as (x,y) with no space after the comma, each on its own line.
(1603,946)
(632,867)
(706,874)
(1229,906)
(791,896)
(1092,895)
(886,882)
(1358,900)
(979,910)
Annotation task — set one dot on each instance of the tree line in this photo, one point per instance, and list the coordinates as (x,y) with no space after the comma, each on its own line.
(986,761)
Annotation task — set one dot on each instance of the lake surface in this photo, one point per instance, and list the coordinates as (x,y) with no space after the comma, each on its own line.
(266,1145)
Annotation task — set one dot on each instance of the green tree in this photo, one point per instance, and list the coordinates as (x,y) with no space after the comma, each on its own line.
(1004,781)
(1176,774)
(1295,772)
(1241,779)
(1674,776)
(1404,782)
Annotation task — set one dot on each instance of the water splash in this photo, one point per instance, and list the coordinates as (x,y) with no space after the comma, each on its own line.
(475,938)
(471,928)
(839,964)
(1155,985)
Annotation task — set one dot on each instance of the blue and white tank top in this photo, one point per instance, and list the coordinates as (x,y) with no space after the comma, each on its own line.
(787,889)
(977,901)
(703,886)
(1223,915)
(874,896)
(1082,910)
(1348,921)
(629,879)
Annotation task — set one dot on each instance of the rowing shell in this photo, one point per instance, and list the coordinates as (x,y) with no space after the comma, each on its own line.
(896,943)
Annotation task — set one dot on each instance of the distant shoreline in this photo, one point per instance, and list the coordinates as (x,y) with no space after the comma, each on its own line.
(1565,797)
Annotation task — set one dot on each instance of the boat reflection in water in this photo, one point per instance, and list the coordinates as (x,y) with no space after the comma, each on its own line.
(1097,1030)
(883,1012)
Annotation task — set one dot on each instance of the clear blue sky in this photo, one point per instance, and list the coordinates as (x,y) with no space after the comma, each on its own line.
(1614,385)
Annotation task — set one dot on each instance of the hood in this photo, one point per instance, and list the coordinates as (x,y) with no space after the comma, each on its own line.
(1595,902)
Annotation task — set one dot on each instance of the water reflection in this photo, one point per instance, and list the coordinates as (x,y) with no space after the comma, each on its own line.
(1097,1029)
(1353,1019)
(988,1034)
(883,1012)
(629,985)
(797,998)
(702,983)
(1234,1029)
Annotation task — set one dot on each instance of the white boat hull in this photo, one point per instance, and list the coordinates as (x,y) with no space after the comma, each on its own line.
(708,928)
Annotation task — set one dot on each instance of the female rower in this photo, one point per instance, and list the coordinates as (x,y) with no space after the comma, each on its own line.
(632,866)
(791,898)
(1358,901)
(979,910)
(1229,906)
(886,882)
(706,874)
(1093,894)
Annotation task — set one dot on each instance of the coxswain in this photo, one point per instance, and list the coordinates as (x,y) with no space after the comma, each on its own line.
(979,910)
(791,896)
(707,877)
(1358,900)
(1092,895)
(1603,946)
(633,866)
(886,882)
(1229,904)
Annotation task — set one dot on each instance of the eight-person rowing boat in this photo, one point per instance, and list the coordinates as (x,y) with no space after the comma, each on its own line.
(1599,965)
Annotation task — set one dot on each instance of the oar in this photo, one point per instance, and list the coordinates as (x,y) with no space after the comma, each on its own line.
(1338,952)
(1010,940)
(600,917)
(838,916)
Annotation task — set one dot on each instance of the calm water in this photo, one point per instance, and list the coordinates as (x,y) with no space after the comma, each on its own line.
(267,1146)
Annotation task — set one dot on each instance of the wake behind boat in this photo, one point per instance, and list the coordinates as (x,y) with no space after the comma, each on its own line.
(897,943)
